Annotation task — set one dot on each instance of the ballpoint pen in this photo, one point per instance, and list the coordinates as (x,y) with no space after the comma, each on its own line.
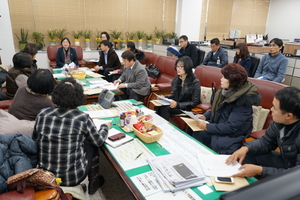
(138,156)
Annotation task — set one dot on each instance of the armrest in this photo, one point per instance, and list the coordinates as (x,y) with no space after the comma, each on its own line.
(5,104)
(204,106)
(258,134)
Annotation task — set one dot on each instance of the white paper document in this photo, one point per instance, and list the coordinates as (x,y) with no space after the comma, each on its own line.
(162,100)
(214,165)
(132,154)
(59,76)
(190,114)
(99,122)
(105,113)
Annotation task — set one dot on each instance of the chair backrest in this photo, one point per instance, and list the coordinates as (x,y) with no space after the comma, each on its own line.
(201,55)
(52,50)
(254,64)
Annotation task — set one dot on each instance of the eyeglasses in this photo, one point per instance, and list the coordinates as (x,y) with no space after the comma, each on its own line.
(273,45)
(181,41)
(179,67)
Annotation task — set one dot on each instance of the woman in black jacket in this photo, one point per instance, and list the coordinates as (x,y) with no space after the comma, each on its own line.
(185,90)
(66,54)
(139,55)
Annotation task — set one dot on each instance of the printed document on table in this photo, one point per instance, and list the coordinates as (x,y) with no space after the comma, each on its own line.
(105,113)
(214,165)
(99,122)
(179,195)
(117,143)
(132,154)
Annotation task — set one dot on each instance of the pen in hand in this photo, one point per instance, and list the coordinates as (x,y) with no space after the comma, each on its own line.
(138,156)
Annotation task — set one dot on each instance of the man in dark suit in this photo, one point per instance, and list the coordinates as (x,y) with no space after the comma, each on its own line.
(134,81)
(109,60)
(217,57)
(188,49)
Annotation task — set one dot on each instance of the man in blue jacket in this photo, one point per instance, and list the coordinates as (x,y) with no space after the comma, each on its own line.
(217,57)
(259,156)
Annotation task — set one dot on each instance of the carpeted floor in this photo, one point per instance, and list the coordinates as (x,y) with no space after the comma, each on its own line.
(114,188)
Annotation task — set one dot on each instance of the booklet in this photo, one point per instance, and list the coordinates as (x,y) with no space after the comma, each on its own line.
(173,50)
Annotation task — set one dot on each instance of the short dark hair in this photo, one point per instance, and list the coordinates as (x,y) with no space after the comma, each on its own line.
(215,41)
(68,94)
(131,46)
(105,43)
(289,100)
(41,81)
(236,74)
(106,34)
(22,60)
(244,52)
(65,38)
(184,37)
(128,55)
(31,49)
(277,41)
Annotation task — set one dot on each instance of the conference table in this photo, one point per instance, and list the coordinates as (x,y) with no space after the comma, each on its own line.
(172,141)
(91,94)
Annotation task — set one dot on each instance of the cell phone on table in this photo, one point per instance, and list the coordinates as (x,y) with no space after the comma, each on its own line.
(116,137)
(228,180)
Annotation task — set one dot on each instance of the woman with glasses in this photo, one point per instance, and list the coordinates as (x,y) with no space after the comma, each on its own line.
(185,90)
(272,66)
(230,119)
(242,57)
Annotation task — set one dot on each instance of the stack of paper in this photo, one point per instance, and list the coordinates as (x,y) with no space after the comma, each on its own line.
(175,172)
(162,100)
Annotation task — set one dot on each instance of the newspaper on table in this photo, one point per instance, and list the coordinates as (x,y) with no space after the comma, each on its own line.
(175,172)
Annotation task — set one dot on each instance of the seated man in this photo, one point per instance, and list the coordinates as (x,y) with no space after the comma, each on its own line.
(258,156)
(273,66)
(188,49)
(217,57)
(134,80)
(109,60)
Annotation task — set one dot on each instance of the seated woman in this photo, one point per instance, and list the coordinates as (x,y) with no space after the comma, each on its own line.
(105,36)
(139,55)
(66,54)
(33,97)
(230,119)
(242,57)
(18,75)
(67,138)
(272,66)
(31,49)
(185,90)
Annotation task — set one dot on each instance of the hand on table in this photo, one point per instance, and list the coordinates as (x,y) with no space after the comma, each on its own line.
(116,82)
(249,170)
(97,68)
(122,85)
(238,156)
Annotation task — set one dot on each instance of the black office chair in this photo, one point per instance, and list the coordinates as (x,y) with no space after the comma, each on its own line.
(200,57)
(254,64)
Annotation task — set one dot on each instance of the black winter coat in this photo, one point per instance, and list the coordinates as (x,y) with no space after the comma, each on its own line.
(232,120)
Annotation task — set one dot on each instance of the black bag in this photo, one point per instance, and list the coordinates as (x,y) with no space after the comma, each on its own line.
(152,71)
(3,73)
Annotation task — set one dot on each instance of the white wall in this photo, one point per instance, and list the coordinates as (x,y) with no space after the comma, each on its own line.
(188,18)
(6,36)
(283,19)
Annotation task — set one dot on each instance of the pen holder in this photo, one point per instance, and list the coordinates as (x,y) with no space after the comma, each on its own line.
(148,138)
